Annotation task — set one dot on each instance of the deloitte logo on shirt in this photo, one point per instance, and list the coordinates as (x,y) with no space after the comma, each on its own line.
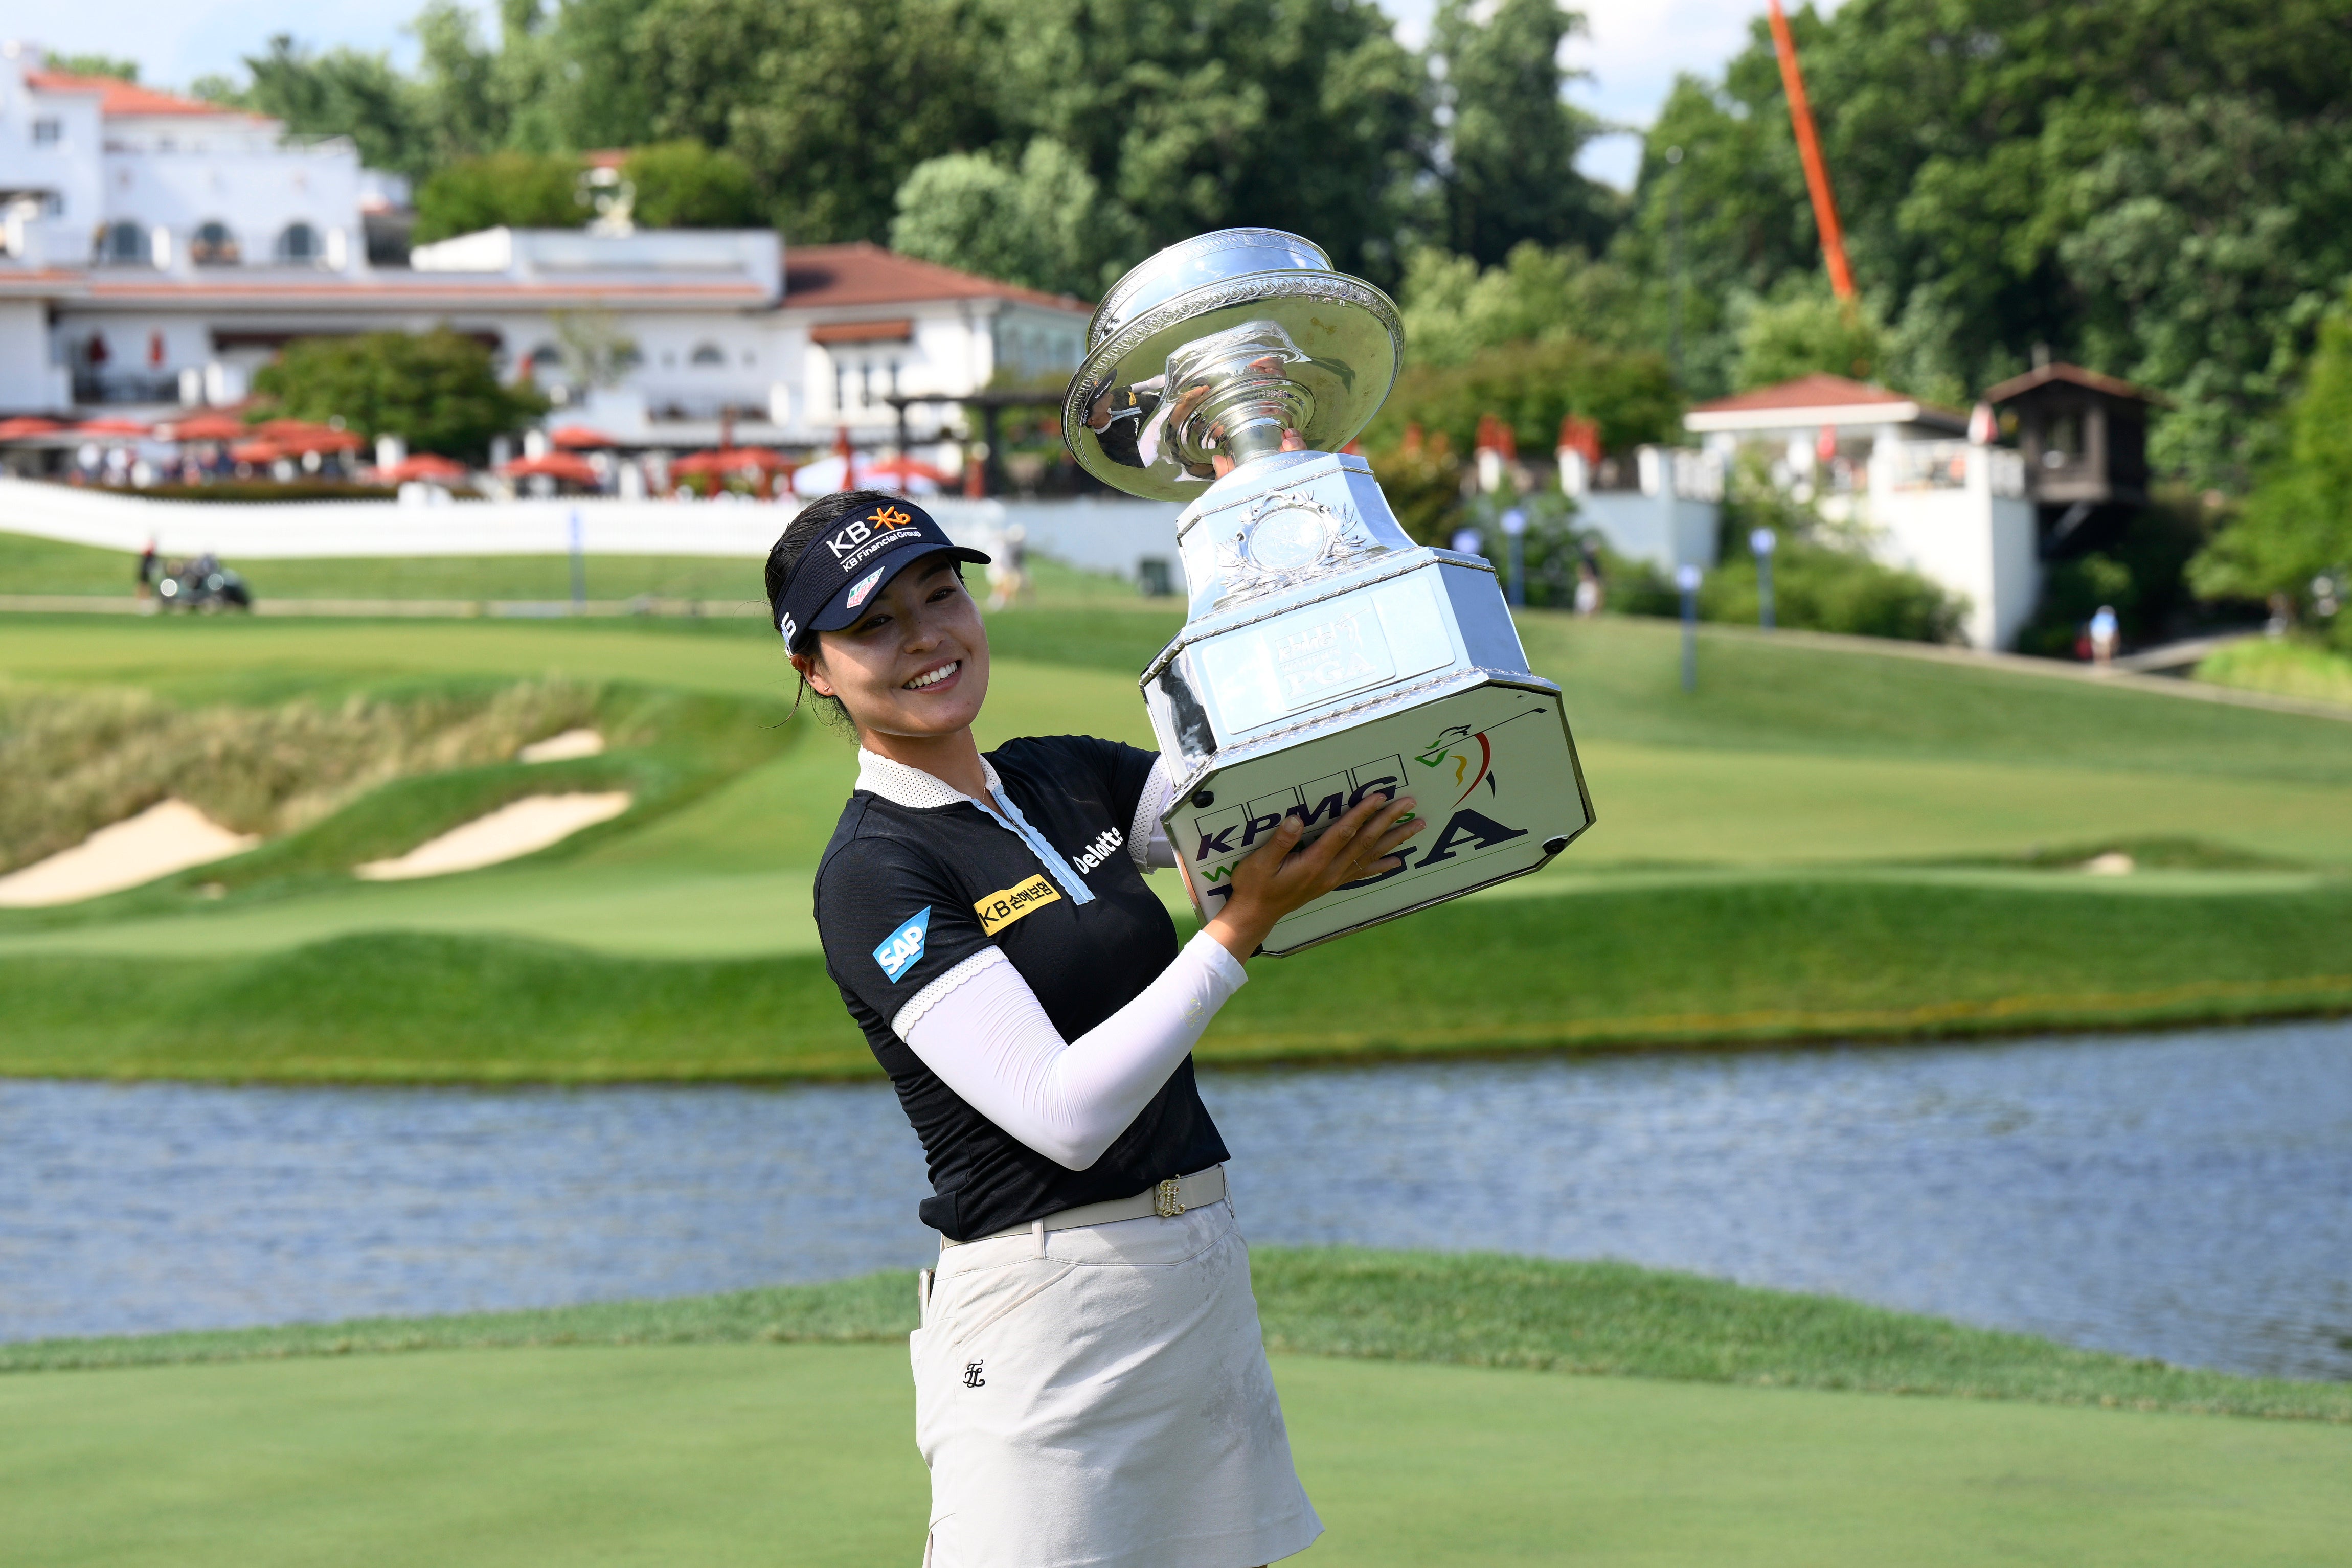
(903,947)
(1095,853)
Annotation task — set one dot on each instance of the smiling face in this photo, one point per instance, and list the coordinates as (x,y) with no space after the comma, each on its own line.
(915,664)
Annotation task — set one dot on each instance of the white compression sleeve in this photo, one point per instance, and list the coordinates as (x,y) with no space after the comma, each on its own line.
(982,1030)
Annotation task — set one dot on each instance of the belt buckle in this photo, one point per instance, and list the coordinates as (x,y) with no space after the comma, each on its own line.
(1164,1201)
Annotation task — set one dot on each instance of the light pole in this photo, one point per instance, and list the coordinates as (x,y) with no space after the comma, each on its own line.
(1763,541)
(579,570)
(1675,224)
(1515,527)
(1686,579)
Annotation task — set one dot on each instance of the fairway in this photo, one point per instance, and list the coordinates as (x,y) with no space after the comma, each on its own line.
(1818,843)
(804,1454)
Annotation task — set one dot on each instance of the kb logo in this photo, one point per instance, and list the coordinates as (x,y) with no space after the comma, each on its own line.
(971,1377)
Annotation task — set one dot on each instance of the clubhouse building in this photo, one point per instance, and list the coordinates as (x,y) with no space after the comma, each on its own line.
(155,250)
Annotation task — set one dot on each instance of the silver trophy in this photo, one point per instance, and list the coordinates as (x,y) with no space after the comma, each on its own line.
(1326,656)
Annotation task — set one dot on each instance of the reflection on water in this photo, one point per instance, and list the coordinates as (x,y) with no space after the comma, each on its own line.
(2188,1196)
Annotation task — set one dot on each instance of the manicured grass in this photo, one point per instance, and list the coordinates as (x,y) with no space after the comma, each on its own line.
(1764,867)
(1463,1309)
(2288,669)
(1669,962)
(31,565)
(661,1433)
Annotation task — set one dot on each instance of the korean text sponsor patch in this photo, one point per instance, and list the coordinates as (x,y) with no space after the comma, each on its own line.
(1001,908)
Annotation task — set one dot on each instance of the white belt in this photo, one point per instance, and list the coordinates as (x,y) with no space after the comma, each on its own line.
(1167,1200)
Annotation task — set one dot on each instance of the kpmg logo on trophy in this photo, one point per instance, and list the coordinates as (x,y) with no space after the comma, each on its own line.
(1327,656)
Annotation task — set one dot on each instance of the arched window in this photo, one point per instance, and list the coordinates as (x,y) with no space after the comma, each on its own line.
(125,243)
(708,354)
(544,364)
(298,246)
(213,245)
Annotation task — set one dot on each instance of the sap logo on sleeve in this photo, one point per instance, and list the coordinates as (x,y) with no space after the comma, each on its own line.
(903,947)
(857,594)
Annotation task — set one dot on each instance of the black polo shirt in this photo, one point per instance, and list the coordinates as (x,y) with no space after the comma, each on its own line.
(905,894)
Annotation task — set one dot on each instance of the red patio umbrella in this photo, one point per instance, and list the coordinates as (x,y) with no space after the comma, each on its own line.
(205,427)
(26,426)
(423,466)
(553,466)
(902,469)
(110,427)
(734,460)
(305,435)
(257,452)
(579,438)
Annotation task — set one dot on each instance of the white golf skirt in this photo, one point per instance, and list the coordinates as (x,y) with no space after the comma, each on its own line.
(1100,1396)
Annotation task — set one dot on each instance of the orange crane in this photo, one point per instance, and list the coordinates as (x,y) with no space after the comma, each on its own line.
(1809,149)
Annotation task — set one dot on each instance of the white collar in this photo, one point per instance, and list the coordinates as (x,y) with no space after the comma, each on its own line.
(904,786)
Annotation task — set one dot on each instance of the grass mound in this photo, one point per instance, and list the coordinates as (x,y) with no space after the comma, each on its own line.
(362,777)
(2283,668)
(1465,1309)
(1615,967)
(103,755)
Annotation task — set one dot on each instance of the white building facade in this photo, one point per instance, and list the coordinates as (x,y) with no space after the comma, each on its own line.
(157,250)
(1901,474)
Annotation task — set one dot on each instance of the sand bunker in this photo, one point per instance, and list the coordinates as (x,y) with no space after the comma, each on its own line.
(530,823)
(167,837)
(2115,862)
(562,747)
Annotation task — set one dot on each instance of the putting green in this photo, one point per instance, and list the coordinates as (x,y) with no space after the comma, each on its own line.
(804,1454)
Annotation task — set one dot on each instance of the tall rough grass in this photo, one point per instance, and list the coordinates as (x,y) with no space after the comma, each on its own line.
(76,761)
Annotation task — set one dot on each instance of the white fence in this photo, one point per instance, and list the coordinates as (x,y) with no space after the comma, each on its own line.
(1112,536)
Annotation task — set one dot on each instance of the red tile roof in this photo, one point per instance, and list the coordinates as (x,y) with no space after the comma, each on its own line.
(1817,391)
(122,99)
(2074,375)
(822,276)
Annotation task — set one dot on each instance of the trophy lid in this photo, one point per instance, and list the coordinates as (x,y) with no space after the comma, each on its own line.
(1214,348)
(1203,259)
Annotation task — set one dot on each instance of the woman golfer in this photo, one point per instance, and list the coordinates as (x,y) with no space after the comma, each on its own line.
(1090,1386)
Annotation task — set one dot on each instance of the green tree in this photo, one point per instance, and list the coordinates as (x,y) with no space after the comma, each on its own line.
(461,97)
(1189,115)
(832,106)
(343,92)
(1805,333)
(1531,387)
(1451,308)
(438,389)
(1507,169)
(685,185)
(517,190)
(2150,188)
(1044,223)
(94,65)
(2297,525)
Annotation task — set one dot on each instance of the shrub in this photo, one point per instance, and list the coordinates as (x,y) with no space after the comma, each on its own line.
(513,189)
(685,185)
(438,389)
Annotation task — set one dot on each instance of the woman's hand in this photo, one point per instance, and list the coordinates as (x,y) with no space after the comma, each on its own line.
(1282,877)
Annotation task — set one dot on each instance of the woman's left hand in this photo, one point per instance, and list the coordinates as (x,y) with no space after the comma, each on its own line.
(1281,877)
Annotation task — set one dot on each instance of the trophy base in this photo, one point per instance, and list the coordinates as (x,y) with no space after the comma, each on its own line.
(1486,754)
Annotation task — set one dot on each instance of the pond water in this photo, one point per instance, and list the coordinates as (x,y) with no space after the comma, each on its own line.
(2184,1196)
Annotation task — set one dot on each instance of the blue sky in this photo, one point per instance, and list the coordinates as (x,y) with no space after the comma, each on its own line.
(1634,49)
